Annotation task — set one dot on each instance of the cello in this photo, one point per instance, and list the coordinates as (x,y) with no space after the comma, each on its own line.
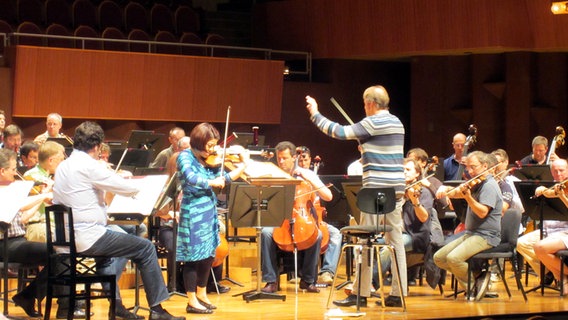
(321,212)
(301,231)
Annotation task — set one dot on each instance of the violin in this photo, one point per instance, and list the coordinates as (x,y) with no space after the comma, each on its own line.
(469,142)
(39,186)
(557,142)
(417,185)
(470,184)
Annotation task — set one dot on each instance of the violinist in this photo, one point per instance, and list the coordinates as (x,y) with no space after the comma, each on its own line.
(416,215)
(286,157)
(50,156)
(551,228)
(546,248)
(482,223)
(331,255)
(433,183)
(452,163)
(503,175)
(198,228)
(539,149)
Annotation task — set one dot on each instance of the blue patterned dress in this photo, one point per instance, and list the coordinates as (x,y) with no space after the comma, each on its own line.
(198,230)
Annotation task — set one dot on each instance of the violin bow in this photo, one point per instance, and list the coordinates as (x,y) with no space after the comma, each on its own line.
(225,141)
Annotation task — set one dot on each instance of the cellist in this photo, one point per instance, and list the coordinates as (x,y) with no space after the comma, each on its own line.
(331,255)
(286,158)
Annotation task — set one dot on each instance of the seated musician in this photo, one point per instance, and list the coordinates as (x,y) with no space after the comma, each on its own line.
(331,255)
(29,155)
(53,125)
(416,217)
(50,156)
(22,250)
(526,243)
(546,248)
(482,223)
(539,149)
(80,183)
(286,158)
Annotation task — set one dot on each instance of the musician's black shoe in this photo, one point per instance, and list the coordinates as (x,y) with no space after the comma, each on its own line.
(310,287)
(222,288)
(270,287)
(391,301)
(123,313)
(28,304)
(548,278)
(351,300)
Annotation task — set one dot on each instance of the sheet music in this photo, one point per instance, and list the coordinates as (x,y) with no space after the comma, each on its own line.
(13,197)
(265,170)
(150,189)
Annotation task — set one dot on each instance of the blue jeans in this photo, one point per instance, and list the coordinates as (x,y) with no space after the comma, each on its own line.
(331,255)
(116,265)
(385,256)
(139,250)
(270,263)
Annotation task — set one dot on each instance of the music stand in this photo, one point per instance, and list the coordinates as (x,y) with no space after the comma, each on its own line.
(533,172)
(269,198)
(540,208)
(142,143)
(65,142)
(338,210)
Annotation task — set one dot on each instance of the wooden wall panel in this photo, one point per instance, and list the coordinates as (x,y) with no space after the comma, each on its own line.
(375,29)
(134,86)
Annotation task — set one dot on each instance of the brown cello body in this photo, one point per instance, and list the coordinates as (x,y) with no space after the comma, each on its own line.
(300,232)
(322,225)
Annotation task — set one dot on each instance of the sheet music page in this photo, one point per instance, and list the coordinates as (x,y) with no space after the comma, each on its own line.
(265,170)
(13,197)
(150,189)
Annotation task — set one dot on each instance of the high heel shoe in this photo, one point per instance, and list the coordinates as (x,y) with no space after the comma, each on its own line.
(206,305)
(190,309)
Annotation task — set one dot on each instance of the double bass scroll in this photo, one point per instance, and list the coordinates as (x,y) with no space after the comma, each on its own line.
(557,142)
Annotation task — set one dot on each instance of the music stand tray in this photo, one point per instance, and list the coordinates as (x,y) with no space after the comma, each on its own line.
(274,201)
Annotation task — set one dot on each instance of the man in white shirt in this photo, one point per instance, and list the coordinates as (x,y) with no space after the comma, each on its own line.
(81,181)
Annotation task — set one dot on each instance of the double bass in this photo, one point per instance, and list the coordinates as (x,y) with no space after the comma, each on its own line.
(557,142)
(469,142)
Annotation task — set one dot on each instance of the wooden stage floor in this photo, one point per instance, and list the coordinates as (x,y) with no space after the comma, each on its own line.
(422,303)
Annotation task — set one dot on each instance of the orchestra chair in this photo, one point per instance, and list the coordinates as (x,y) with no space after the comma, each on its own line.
(563,256)
(506,250)
(25,274)
(68,268)
(377,201)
